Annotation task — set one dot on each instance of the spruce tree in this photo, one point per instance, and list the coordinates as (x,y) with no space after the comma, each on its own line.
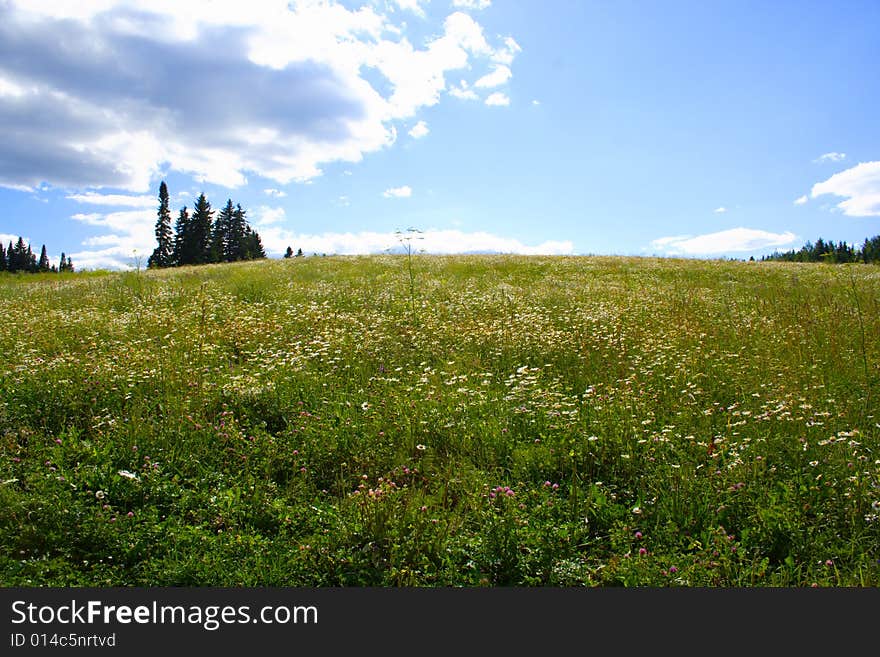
(30,261)
(253,245)
(222,250)
(3,256)
(202,220)
(288,253)
(163,254)
(182,254)
(237,232)
(69,264)
(43,265)
(299,253)
(62,265)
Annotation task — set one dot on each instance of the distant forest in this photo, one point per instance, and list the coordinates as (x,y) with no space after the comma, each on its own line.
(20,258)
(823,251)
(199,238)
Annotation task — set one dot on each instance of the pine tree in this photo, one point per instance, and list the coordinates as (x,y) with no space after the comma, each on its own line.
(163,254)
(299,253)
(202,223)
(288,253)
(3,257)
(43,265)
(62,265)
(10,258)
(222,238)
(30,261)
(19,259)
(182,253)
(237,230)
(69,265)
(254,244)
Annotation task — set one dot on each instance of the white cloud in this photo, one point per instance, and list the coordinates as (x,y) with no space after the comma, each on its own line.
(265,215)
(860,185)
(84,99)
(398,192)
(536,102)
(506,54)
(800,200)
(277,193)
(116,200)
(411,5)
(496,78)
(276,241)
(130,237)
(6,238)
(720,210)
(497,98)
(725,241)
(462,91)
(830,157)
(472,4)
(419,130)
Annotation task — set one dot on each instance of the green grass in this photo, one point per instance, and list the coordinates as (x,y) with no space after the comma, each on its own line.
(491,421)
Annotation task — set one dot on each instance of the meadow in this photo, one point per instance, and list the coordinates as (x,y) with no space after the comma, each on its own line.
(442,421)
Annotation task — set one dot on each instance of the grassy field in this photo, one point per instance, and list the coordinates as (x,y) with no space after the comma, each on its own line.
(476,421)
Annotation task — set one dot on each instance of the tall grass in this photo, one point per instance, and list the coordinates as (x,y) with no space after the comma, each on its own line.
(556,421)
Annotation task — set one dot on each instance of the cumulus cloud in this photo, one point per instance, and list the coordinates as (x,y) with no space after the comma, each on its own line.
(830,157)
(720,210)
(496,78)
(800,200)
(411,5)
(115,200)
(472,4)
(860,185)
(130,238)
(398,192)
(419,130)
(6,238)
(277,193)
(498,98)
(266,216)
(462,91)
(276,241)
(725,241)
(108,94)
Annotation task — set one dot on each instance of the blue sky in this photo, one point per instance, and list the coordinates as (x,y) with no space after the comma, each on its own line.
(699,129)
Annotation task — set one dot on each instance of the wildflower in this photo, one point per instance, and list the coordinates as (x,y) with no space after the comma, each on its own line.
(421,447)
(638,535)
(58,441)
(128,475)
(130,514)
(99,494)
(672,570)
(642,552)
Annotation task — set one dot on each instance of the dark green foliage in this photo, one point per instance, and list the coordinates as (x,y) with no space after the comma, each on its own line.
(20,258)
(163,254)
(43,265)
(288,253)
(823,251)
(199,239)
(202,226)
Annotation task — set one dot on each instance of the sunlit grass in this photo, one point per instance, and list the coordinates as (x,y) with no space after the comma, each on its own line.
(480,420)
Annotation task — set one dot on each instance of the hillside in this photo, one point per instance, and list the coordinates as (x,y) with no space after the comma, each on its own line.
(467,420)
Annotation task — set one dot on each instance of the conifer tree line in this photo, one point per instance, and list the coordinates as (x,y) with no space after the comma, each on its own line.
(198,238)
(841,252)
(20,258)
